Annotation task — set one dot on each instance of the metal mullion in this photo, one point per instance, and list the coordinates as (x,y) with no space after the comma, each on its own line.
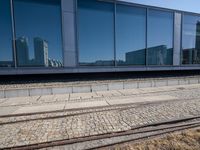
(146,38)
(115,61)
(181,43)
(13,34)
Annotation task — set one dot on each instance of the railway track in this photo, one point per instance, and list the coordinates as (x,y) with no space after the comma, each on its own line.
(16,118)
(110,139)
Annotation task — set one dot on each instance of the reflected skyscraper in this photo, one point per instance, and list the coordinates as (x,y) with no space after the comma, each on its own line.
(22,51)
(41,52)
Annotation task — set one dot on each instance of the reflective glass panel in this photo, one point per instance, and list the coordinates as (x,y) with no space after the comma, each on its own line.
(191,40)
(130,35)
(160,38)
(6,52)
(96,33)
(38,33)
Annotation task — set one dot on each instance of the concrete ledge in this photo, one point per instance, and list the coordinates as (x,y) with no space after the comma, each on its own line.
(160,83)
(173,82)
(16,93)
(115,86)
(102,87)
(144,84)
(132,85)
(64,90)
(81,89)
(95,87)
(193,81)
(2,94)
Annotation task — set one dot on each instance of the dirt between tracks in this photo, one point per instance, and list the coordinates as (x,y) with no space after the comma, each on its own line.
(185,140)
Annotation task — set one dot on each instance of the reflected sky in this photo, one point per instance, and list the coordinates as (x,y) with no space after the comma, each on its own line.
(190,31)
(96,40)
(5,31)
(160,28)
(130,32)
(159,37)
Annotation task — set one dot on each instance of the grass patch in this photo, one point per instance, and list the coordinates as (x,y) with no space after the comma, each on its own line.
(185,140)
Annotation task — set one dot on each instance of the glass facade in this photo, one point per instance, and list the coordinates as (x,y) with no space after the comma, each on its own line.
(130,35)
(96,30)
(108,34)
(191,40)
(6,52)
(160,38)
(38,33)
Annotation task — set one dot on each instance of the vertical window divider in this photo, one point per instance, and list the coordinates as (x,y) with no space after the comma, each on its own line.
(115,50)
(76,32)
(146,38)
(181,43)
(13,34)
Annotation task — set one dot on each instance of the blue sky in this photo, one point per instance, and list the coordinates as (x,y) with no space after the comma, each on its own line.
(185,5)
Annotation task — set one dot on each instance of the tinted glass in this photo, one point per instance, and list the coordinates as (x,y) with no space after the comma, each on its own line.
(38,33)
(160,38)
(96,32)
(191,40)
(6,54)
(130,35)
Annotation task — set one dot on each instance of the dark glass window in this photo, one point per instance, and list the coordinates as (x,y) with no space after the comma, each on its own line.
(6,52)
(191,40)
(130,35)
(38,33)
(160,38)
(96,32)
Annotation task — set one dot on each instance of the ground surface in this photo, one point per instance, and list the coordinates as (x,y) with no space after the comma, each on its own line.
(185,140)
(115,111)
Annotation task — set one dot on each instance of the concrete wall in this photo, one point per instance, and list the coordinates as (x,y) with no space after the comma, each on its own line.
(69,32)
(177,39)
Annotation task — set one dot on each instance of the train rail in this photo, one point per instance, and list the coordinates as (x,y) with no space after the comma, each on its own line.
(109,139)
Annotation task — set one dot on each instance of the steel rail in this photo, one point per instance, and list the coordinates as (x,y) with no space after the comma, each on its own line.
(157,129)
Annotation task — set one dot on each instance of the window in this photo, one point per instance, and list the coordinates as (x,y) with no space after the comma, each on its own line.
(191,40)
(130,35)
(160,38)
(96,33)
(6,52)
(38,33)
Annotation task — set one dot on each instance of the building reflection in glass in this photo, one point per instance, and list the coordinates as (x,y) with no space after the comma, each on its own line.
(41,58)
(159,55)
(159,37)
(38,38)
(191,42)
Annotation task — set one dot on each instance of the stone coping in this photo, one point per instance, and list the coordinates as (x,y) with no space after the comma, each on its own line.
(92,86)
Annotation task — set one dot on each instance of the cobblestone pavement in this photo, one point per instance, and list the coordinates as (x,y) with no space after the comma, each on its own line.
(18,131)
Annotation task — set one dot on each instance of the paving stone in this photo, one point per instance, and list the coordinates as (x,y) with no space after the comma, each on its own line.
(34,109)
(183,101)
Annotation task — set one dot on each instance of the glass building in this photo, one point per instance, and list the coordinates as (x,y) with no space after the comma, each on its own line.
(73,36)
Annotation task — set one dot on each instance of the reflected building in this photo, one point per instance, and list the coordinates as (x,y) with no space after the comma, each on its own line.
(197,53)
(54,63)
(135,57)
(158,55)
(22,51)
(41,52)
(192,55)
(6,63)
